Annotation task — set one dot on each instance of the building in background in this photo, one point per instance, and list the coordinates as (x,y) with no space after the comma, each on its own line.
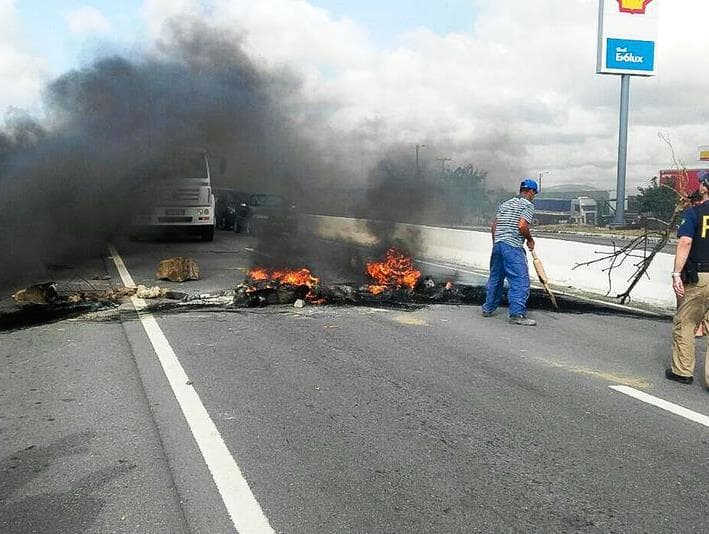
(573,204)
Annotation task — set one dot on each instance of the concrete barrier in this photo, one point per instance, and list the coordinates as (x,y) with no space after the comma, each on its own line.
(471,248)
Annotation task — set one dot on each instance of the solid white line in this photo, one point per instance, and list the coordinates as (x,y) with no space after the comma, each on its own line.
(244,510)
(665,405)
(125,275)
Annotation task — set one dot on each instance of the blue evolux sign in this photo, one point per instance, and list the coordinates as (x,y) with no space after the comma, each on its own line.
(628,54)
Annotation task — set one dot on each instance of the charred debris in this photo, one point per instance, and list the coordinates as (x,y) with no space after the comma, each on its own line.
(391,283)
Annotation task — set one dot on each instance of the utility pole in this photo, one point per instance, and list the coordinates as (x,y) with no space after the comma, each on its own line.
(418,173)
(539,183)
(443,163)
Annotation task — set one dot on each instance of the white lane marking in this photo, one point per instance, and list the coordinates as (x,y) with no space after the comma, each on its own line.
(665,405)
(125,275)
(244,510)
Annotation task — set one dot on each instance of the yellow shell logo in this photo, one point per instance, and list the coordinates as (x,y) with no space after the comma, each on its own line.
(633,6)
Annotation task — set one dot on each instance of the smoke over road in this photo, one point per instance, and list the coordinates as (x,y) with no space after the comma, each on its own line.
(68,183)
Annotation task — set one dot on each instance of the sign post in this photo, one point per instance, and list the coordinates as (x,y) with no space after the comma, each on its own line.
(627,34)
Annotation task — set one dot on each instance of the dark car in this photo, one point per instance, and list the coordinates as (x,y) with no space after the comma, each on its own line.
(227,203)
(265,213)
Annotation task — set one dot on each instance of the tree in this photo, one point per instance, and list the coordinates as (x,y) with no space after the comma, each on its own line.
(658,200)
(465,194)
(466,176)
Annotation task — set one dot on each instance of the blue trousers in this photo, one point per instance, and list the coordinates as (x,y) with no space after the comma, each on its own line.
(508,262)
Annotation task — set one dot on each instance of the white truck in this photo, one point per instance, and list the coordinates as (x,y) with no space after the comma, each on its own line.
(579,210)
(177,196)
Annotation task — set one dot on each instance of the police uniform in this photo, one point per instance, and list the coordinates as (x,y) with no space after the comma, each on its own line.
(695,304)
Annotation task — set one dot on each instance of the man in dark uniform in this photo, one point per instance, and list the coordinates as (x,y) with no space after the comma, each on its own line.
(690,281)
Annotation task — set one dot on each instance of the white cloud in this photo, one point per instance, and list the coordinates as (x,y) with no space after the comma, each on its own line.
(21,72)
(156,12)
(87,20)
(517,94)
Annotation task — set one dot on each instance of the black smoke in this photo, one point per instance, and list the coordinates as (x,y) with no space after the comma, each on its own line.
(68,182)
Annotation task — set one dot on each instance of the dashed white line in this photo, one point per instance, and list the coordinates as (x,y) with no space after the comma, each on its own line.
(244,510)
(663,404)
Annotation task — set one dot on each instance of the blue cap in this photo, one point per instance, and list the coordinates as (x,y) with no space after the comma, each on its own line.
(703,177)
(528,183)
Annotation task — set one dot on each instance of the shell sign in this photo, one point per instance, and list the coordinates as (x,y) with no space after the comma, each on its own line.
(633,6)
(627,37)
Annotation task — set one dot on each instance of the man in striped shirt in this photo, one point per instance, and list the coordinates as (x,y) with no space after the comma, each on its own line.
(510,230)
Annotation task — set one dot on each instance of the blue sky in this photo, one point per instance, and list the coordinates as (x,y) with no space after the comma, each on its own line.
(385,20)
(46,32)
(514,76)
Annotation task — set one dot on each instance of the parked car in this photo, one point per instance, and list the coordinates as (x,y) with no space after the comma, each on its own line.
(228,203)
(264,212)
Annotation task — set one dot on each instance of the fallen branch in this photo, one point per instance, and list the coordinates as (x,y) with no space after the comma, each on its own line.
(619,255)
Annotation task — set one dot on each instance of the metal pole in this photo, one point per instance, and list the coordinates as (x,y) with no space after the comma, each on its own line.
(418,171)
(622,151)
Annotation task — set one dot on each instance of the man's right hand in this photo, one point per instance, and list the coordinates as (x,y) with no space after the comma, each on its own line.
(678,286)
(530,244)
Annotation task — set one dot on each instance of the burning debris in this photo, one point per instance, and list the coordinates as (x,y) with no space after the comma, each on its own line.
(396,282)
(397,285)
(395,272)
(277,287)
(394,275)
(177,269)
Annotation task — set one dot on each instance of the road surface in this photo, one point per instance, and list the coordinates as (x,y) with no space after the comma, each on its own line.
(342,419)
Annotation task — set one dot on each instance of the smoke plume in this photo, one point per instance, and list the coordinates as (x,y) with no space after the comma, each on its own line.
(68,183)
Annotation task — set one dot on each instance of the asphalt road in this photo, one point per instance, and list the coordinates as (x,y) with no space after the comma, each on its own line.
(344,419)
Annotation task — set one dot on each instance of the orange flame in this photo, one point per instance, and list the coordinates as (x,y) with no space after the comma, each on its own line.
(301,277)
(396,271)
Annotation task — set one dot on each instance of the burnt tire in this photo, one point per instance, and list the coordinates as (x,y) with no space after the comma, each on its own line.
(208,234)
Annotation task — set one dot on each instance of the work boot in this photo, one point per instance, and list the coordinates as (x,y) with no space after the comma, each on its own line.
(522,320)
(669,375)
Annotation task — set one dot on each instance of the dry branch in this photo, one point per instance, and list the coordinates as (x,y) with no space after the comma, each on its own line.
(619,256)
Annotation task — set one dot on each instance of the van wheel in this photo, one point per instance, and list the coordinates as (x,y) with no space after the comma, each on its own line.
(208,234)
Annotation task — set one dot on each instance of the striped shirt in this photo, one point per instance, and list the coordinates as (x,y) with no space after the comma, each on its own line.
(508,215)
